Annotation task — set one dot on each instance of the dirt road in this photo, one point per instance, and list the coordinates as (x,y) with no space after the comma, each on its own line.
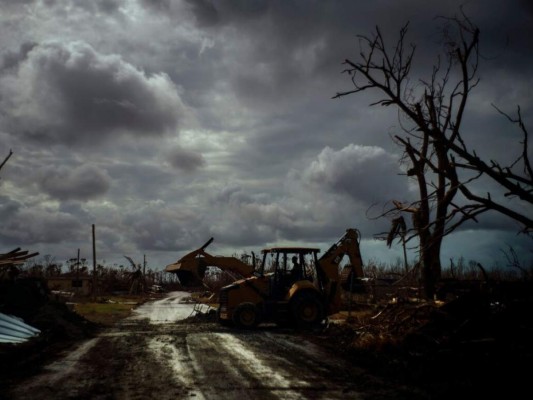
(160,354)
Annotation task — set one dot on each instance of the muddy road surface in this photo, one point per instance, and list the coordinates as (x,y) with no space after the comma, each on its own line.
(160,353)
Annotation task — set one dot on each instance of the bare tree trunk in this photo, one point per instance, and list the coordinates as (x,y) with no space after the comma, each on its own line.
(431,266)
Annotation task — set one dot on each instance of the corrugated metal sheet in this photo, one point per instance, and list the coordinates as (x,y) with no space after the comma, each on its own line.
(15,330)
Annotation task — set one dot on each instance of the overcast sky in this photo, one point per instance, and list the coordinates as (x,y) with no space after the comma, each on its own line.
(167,122)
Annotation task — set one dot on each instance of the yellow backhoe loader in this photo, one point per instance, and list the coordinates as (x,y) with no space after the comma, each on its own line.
(302,294)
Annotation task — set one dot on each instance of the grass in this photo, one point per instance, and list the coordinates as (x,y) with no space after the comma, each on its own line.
(108,310)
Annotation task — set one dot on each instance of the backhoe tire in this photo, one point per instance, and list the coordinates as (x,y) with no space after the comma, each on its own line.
(246,316)
(307,310)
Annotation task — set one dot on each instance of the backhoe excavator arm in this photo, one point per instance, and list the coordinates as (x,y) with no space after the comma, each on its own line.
(348,245)
(328,267)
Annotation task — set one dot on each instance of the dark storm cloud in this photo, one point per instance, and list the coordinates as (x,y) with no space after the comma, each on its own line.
(185,160)
(204,12)
(286,43)
(93,7)
(246,218)
(230,194)
(275,46)
(258,217)
(109,6)
(8,207)
(493,221)
(157,5)
(11,59)
(84,182)
(157,226)
(505,36)
(71,93)
(136,181)
(76,208)
(23,225)
(208,12)
(16,2)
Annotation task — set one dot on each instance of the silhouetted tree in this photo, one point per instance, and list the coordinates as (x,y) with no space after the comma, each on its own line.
(432,113)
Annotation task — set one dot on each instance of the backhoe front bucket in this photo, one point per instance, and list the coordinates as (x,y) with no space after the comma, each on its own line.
(190,273)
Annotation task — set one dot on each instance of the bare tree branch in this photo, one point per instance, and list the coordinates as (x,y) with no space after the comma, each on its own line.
(5,159)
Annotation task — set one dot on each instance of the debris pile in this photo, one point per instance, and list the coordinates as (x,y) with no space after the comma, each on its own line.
(16,300)
(35,324)
(476,343)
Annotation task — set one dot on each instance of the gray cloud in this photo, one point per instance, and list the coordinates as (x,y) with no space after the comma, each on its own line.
(354,171)
(26,226)
(80,183)
(8,207)
(9,3)
(185,160)
(157,5)
(11,60)
(107,6)
(92,7)
(204,11)
(156,226)
(71,93)
(138,182)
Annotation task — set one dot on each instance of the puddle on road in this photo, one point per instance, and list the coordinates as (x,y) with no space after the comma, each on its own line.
(174,307)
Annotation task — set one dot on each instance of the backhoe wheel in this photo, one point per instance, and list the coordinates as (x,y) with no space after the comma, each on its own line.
(246,316)
(307,310)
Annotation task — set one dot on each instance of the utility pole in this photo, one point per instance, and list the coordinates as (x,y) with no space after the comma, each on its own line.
(78,265)
(94,264)
(144,272)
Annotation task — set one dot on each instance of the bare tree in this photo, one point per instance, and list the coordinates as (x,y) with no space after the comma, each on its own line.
(6,158)
(432,112)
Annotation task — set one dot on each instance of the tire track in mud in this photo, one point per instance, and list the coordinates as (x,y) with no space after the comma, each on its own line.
(119,365)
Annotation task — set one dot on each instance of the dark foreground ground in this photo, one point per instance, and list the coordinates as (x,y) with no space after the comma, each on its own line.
(476,345)
(472,346)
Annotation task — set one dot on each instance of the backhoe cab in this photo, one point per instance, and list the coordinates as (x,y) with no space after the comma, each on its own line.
(292,286)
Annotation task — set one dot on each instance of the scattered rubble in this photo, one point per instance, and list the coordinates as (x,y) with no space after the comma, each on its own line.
(478,343)
(58,326)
